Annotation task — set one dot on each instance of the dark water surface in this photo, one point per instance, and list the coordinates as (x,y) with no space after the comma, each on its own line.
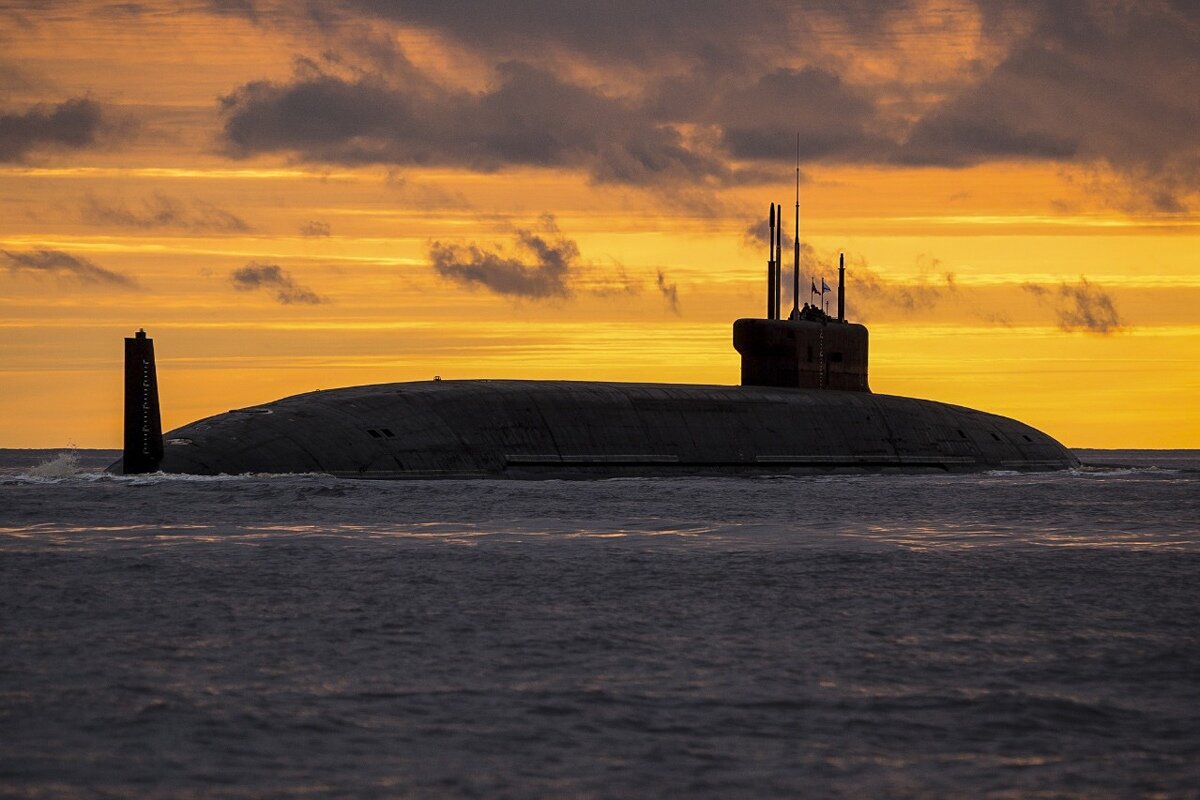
(981,635)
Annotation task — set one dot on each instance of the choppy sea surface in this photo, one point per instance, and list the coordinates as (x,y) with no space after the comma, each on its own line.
(991,635)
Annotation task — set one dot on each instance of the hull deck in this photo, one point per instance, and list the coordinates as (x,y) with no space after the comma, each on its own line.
(564,429)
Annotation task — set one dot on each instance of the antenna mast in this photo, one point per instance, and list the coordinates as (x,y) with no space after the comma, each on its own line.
(779,263)
(796,239)
(771,265)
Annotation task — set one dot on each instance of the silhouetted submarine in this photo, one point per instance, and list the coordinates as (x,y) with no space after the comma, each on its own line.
(804,406)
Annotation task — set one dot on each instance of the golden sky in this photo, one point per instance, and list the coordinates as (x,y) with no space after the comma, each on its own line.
(290,197)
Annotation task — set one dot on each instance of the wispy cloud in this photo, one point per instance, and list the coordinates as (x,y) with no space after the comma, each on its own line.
(315,227)
(162,211)
(759,234)
(669,291)
(1079,307)
(273,278)
(540,267)
(60,263)
(539,264)
(934,284)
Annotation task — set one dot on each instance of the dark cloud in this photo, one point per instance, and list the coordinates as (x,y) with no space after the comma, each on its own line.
(684,127)
(808,113)
(669,291)
(625,31)
(529,118)
(71,125)
(1079,307)
(958,140)
(716,36)
(315,227)
(713,92)
(544,265)
(57,262)
(1091,83)
(538,264)
(161,211)
(234,8)
(121,11)
(273,278)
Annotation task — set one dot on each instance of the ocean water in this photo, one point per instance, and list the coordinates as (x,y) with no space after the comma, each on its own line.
(994,635)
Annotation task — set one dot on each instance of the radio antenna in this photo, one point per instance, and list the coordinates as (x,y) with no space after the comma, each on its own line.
(796,238)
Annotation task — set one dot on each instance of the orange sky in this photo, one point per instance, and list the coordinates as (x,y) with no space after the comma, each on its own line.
(1014,243)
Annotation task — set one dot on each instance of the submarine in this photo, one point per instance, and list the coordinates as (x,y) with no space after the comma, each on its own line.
(804,406)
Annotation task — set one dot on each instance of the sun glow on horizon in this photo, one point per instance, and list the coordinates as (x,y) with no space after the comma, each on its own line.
(602,198)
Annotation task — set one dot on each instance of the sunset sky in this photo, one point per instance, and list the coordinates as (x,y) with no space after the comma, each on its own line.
(291,196)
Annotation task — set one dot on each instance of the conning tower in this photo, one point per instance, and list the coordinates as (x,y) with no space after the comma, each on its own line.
(810,349)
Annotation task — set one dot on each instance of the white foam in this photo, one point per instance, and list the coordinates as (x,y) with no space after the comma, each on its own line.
(63,465)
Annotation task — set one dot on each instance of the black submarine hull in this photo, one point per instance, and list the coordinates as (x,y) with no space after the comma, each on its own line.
(568,429)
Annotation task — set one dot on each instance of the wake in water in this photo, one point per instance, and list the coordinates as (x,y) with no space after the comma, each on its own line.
(63,465)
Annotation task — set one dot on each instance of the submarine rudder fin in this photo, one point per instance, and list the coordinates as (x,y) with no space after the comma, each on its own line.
(143,445)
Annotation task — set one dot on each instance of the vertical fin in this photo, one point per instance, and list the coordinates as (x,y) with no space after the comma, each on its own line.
(143,423)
